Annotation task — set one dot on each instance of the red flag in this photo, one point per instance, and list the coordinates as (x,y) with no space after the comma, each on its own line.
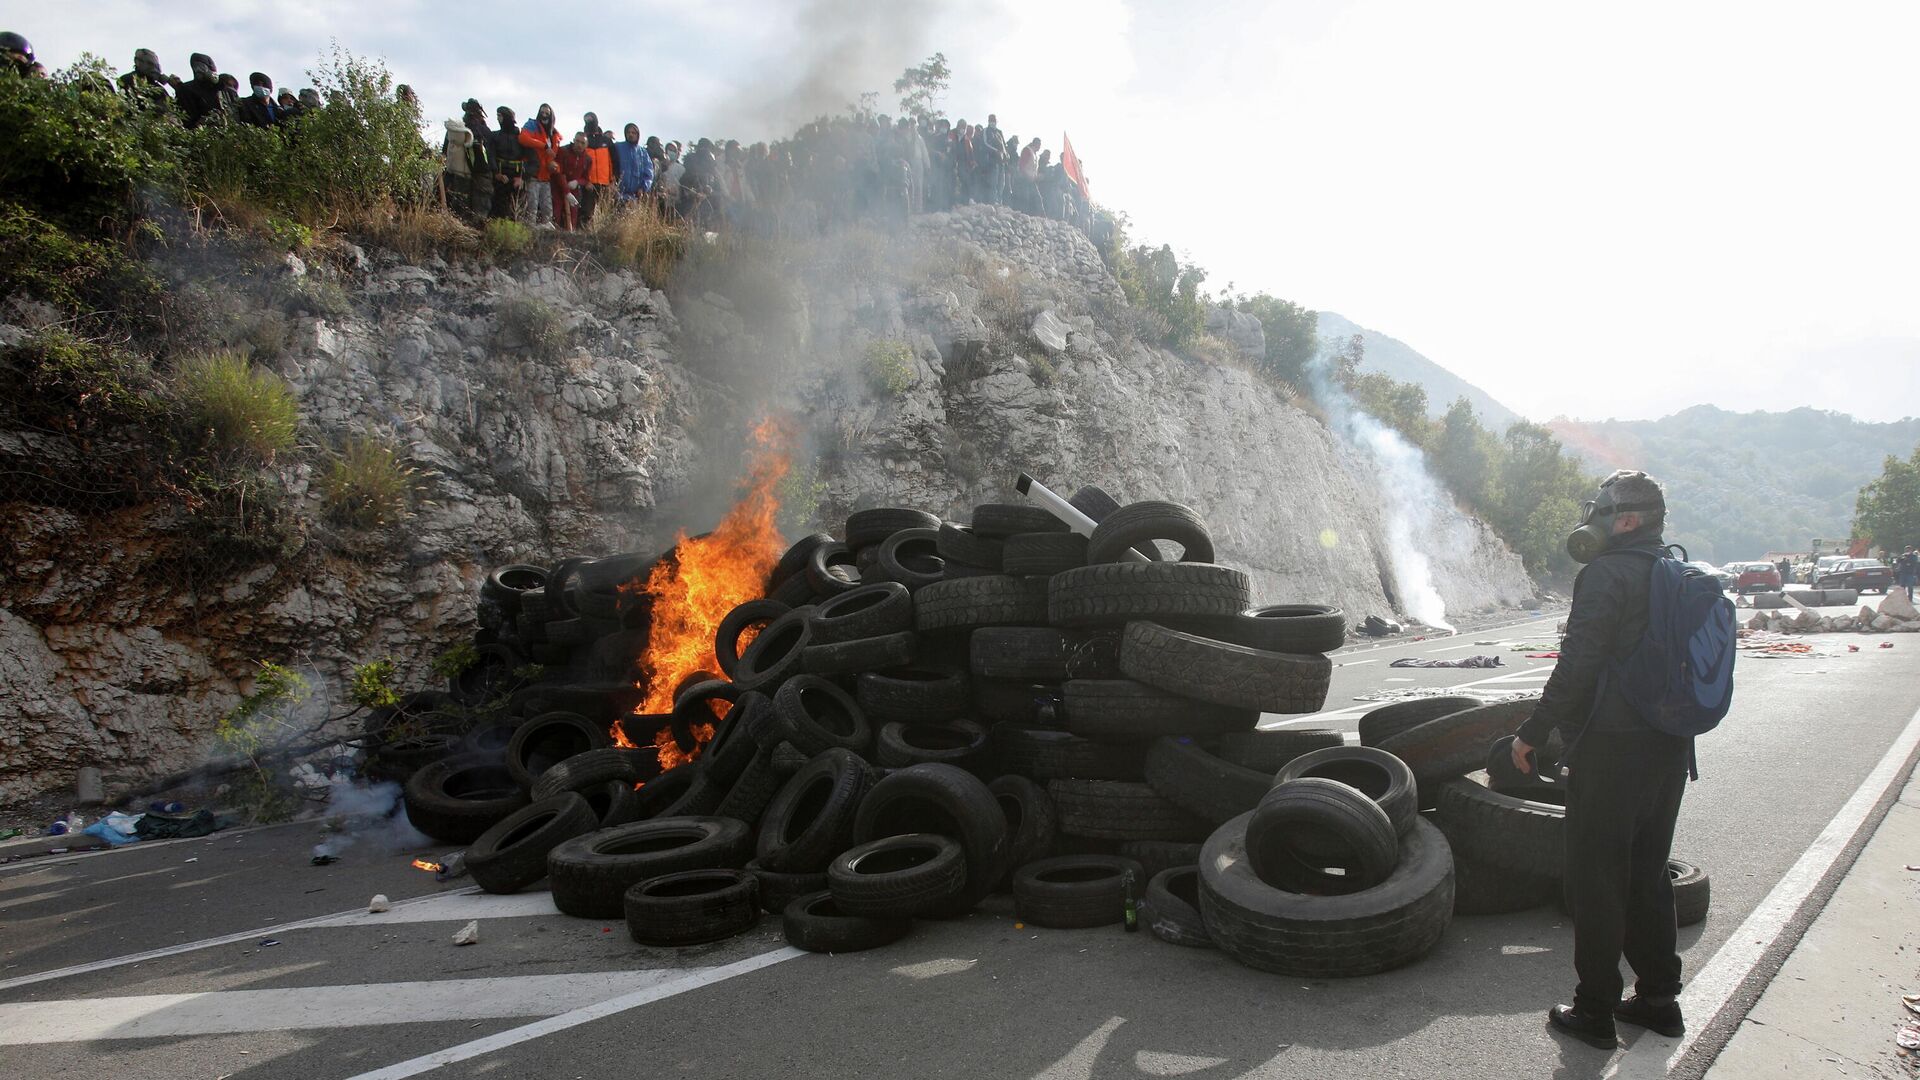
(1070,164)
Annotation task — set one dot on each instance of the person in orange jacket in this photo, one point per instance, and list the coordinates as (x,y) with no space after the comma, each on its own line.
(542,142)
(599,168)
(572,167)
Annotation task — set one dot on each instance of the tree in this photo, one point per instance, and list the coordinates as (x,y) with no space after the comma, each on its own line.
(1887,510)
(1464,453)
(1292,333)
(920,88)
(1402,406)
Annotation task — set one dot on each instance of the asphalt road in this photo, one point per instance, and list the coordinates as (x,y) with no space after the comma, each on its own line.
(543,995)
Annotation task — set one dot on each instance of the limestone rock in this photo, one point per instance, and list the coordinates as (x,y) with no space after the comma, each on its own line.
(1240,329)
(1050,332)
(1896,604)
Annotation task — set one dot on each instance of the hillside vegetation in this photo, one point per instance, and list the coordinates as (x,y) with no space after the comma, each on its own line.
(1742,484)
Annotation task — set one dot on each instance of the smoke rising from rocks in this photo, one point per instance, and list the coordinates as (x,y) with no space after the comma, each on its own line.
(840,50)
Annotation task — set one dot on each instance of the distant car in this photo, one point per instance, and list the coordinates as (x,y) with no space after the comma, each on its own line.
(1861,575)
(1754,576)
(1712,571)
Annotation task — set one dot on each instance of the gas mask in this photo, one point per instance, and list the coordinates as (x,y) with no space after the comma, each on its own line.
(1585,543)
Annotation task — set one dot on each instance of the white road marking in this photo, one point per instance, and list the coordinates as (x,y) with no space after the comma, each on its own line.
(1358,663)
(1079,1061)
(400,908)
(153,1016)
(453,907)
(612,1006)
(1709,991)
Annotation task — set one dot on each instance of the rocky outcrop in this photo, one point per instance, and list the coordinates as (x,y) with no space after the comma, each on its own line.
(572,411)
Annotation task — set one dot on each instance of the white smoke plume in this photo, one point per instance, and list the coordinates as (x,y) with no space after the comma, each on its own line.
(374,813)
(1420,515)
(840,49)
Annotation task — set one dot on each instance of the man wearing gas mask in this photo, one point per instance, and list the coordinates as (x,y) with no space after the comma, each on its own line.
(1624,778)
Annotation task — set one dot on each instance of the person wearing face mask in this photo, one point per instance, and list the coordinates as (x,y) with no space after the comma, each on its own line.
(258,108)
(509,170)
(542,143)
(599,167)
(200,98)
(145,86)
(633,165)
(1629,749)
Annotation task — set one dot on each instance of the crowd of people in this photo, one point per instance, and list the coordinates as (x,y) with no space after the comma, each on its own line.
(833,171)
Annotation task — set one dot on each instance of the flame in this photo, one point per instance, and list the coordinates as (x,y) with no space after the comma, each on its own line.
(707,577)
(423,864)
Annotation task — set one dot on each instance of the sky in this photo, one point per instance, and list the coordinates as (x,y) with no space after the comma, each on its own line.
(1594,211)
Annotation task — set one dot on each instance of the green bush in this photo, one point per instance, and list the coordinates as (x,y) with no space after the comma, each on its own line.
(40,259)
(505,238)
(890,367)
(76,150)
(235,411)
(69,383)
(367,486)
(531,322)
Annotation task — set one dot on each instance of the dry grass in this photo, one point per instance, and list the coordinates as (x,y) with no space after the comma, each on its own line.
(415,231)
(636,236)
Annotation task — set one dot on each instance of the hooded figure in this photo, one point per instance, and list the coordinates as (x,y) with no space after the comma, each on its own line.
(145,86)
(542,142)
(201,99)
(309,100)
(509,167)
(600,170)
(258,108)
(633,164)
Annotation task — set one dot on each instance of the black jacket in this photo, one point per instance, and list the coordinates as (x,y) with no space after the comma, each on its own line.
(200,100)
(1608,619)
(507,156)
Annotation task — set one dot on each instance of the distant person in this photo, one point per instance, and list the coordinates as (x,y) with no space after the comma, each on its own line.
(599,167)
(200,98)
(1786,572)
(572,169)
(509,169)
(258,109)
(146,86)
(456,166)
(1906,572)
(16,54)
(480,160)
(289,104)
(1625,778)
(542,143)
(633,165)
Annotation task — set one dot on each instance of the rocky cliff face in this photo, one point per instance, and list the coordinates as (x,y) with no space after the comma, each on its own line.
(911,365)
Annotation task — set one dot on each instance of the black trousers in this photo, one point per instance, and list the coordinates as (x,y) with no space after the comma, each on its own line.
(1623,797)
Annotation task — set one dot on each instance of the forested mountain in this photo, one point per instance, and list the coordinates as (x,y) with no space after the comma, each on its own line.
(1398,360)
(1742,484)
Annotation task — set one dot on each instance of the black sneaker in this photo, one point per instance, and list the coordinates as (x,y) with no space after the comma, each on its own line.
(1664,1019)
(1594,1029)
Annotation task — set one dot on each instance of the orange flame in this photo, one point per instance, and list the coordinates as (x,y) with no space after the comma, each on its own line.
(708,577)
(423,864)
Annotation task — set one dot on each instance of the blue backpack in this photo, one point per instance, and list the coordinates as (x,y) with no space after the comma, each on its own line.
(1680,677)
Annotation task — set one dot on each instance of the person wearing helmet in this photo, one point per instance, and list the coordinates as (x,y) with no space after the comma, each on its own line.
(145,86)
(200,98)
(1624,778)
(17,54)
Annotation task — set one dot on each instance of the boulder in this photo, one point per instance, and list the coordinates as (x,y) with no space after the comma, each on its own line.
(1896,604)
(1051,331)
(1885,622)
(1240,329)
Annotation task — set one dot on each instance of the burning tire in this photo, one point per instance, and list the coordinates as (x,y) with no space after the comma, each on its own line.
(1043,554)
(456,799)
(752,615)
(1211,788)
(1120,810)
(1122,709)
(866,612)
(945,800)
(1069,892)
(1363,933)
(691,907)
(1369,770)
(548,739)
(1170,910)
(816,923)
(898,877)
(811,818)
(1223,673)
(512,853)
(590,874)
(1147,522)
(1113,593)
(774,655)
(1305,829)
(1383,723)
(1456,744)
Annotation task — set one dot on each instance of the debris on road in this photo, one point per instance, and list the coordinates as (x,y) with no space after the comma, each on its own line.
(324,860)
(1460,662)
(378,904)
(468,934)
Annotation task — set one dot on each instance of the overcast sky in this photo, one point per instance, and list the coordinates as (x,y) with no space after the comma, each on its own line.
(1590,210)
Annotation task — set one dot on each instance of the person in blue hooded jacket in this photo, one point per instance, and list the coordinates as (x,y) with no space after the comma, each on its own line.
(632,165)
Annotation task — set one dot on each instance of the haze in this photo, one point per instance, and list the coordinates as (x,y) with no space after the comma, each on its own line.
(1590,211)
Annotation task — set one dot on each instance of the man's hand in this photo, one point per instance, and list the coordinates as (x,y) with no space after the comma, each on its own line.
(1520,752)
